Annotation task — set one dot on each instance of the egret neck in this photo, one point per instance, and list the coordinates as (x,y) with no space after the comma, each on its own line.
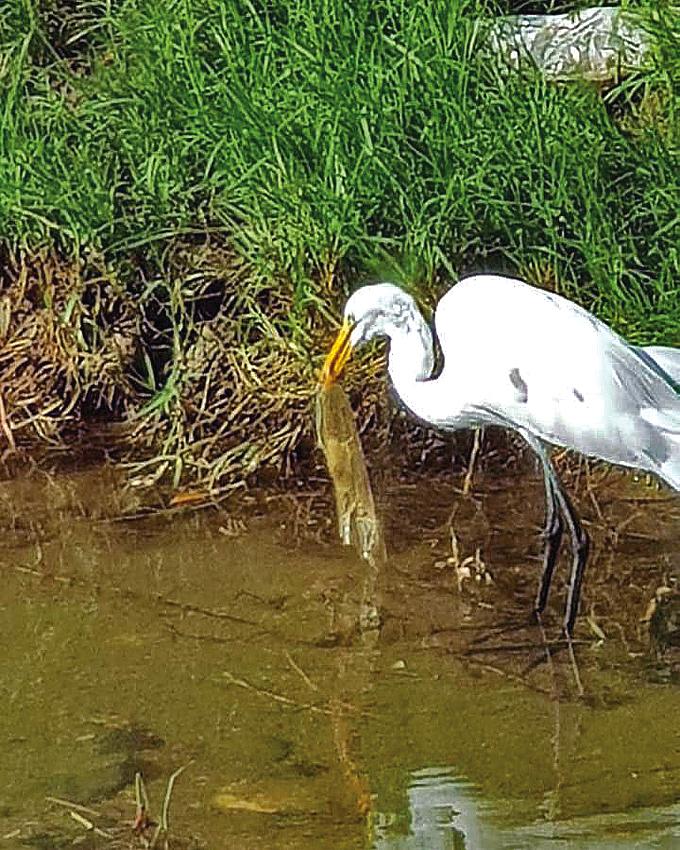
(411,364)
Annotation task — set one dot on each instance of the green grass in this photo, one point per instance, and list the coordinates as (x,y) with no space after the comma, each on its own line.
(324,135)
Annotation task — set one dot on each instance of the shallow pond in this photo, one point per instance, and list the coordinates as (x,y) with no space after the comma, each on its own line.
(243,644)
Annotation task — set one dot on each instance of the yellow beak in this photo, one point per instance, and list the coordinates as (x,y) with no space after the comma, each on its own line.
(337,356)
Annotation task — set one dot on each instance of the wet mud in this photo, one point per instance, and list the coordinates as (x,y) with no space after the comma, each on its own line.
(230,641)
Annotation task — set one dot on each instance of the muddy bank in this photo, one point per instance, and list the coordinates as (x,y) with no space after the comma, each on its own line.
(230,641)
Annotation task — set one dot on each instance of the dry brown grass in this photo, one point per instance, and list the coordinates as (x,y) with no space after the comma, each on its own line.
(242,379)
(234,389)
(59,349)
(210,371)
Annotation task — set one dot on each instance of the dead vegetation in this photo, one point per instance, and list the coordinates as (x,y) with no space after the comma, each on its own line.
(205,373)
(231,388)
(66,339)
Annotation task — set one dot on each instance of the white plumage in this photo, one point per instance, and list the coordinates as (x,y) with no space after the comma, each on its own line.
(527,359)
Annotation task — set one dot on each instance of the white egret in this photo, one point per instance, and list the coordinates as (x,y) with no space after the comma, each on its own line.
(529,360)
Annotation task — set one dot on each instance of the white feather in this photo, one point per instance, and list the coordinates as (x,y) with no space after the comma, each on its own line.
(521,357)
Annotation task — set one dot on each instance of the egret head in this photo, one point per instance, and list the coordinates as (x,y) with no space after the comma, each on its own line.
(381,309)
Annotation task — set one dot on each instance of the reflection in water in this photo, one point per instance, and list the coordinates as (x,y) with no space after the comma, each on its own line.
(448,813)
(148,645)
(443,815)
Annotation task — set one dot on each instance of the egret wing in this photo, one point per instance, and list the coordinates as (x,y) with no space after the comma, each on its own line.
(535,361)
(667,358)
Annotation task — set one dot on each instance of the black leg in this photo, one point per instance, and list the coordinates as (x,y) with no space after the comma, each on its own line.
(559,503)
(580,545)
(552,535)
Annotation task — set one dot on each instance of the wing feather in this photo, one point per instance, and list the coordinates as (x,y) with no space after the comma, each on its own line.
(584,386)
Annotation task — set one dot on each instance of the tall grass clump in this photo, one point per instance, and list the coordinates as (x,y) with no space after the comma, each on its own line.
(316,141)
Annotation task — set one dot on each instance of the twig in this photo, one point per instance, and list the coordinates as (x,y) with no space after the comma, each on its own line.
(299,670)
(89,826)
(164,825)
(141,797)
(476,446)
(513,677)
(273,695)
(69,805)
(206,612)
(574,667)
(6,427)
(519,647)
(208,638)
(142,820)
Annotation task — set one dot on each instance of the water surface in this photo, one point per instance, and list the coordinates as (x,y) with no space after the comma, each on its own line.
(230,640)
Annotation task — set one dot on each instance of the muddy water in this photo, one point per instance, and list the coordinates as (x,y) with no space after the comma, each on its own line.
(234,646)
